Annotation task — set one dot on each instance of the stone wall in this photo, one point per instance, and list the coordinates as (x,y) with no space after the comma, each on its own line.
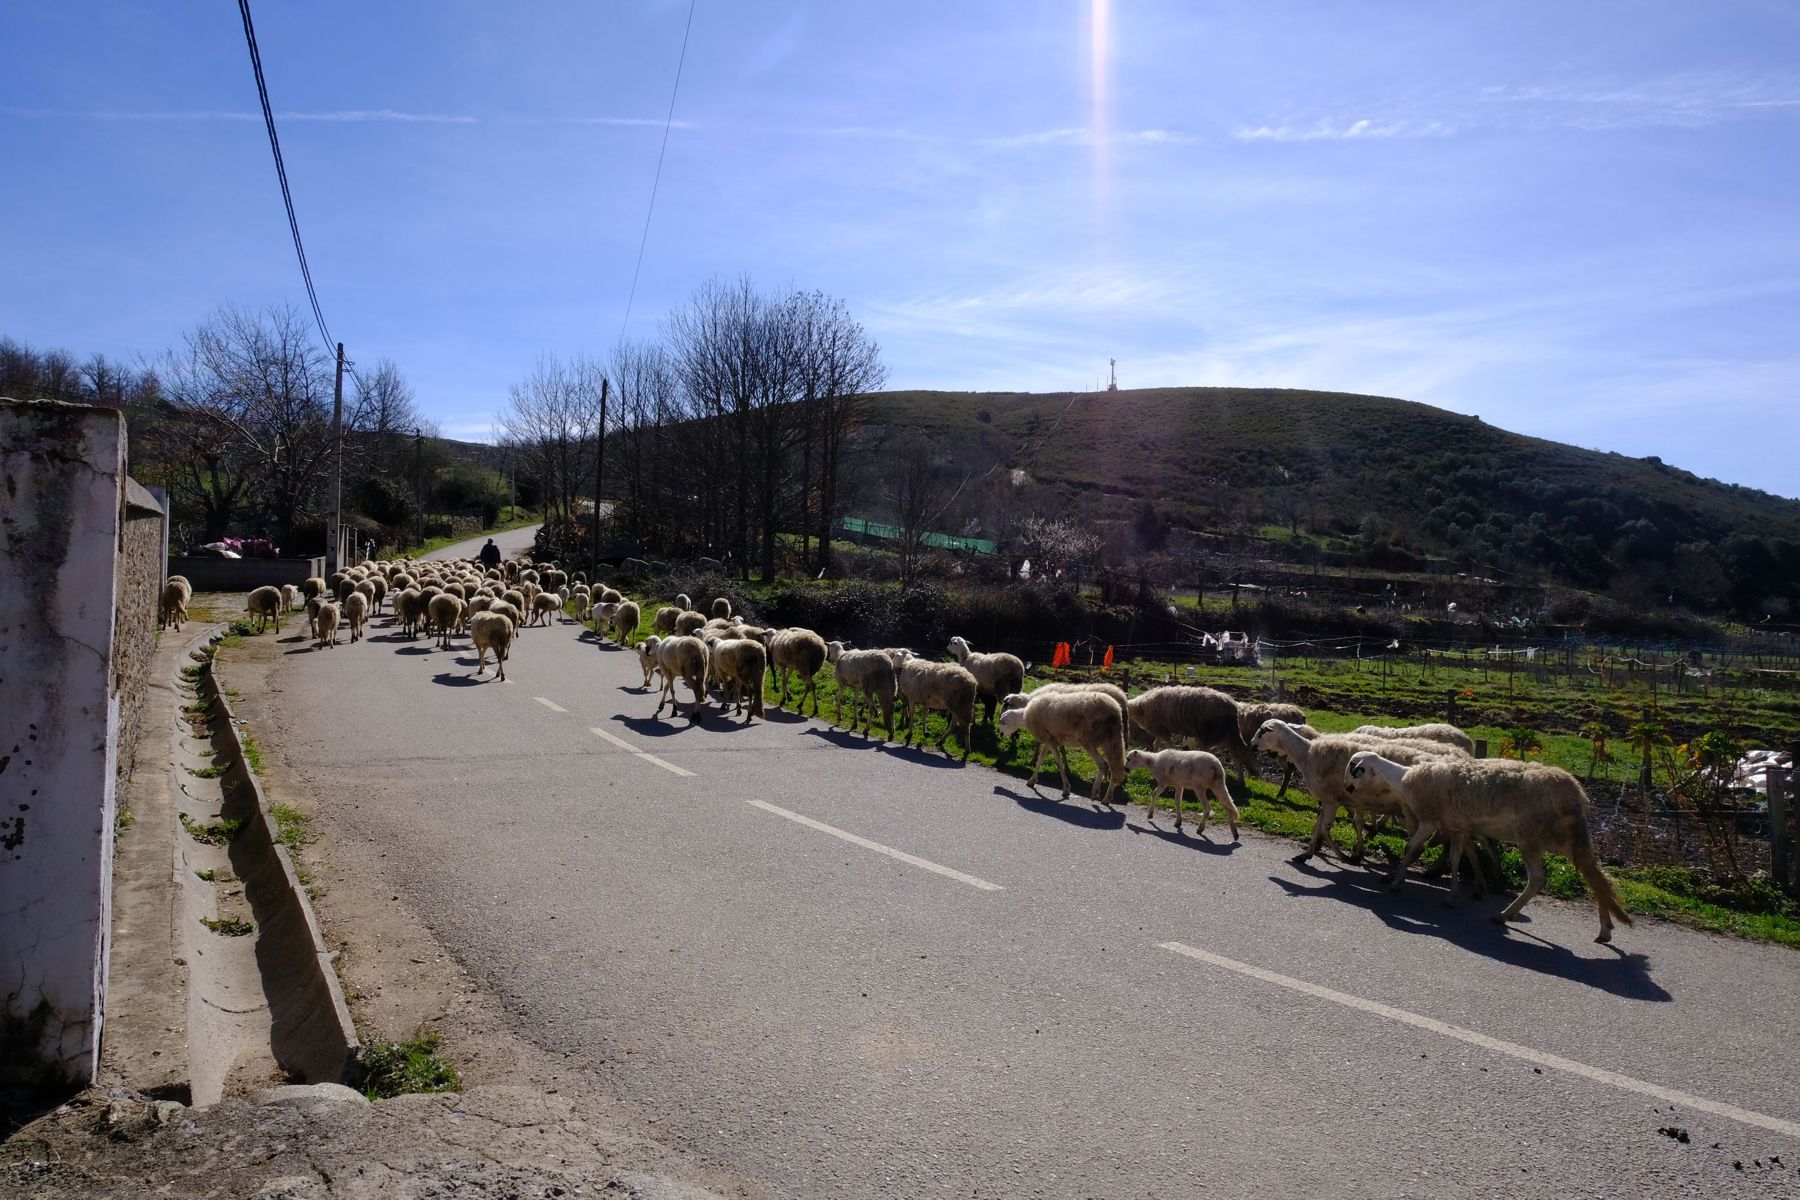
(140,580)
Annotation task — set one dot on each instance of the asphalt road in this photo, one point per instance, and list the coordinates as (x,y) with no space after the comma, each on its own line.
(1034,999)
(513,543)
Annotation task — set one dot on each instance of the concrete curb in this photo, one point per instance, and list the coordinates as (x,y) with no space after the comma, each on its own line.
(313,1036)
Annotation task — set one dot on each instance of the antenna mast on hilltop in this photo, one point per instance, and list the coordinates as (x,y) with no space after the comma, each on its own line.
(1112,383)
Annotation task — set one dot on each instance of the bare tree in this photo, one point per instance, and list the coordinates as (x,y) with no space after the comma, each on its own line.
(914,492)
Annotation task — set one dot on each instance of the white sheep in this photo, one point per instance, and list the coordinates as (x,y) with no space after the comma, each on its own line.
(737,664)
(1534,806)
(869,677)
(174,601)
(1450,735)
(543,606)
(1090,721)
(1180,770)
(265,604)
(356,614)
(1250,719)
(683,658)
(946,686)
(446,612)
(625,620)
(997,675)
(291,597)
(325,623)
(492,631)
(802,652)
(646,652)
(721,607)
(689,623)
(664,624)
(1321,761)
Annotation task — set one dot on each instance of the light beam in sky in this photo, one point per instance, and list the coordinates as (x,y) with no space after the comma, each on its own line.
(1100,91)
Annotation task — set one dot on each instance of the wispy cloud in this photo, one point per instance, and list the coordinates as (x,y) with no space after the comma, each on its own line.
(1364,129)
(1687,100)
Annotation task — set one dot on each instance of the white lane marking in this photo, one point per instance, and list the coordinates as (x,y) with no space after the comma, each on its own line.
(1512,1049)
(622,744)
(552,705)
(877,847)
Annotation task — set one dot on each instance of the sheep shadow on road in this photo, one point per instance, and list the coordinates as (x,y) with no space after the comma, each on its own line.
(669,726)
(416,650)
(1071,811)
(925,756)
(1418,910)
(784,716)
(847,739)
(450,679)
(1192,841)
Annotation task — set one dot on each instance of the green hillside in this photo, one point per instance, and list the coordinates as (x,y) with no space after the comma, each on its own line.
(1384,478)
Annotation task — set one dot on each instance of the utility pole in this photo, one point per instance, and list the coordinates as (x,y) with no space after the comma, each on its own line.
(419,479)
(599,472)
(334,548)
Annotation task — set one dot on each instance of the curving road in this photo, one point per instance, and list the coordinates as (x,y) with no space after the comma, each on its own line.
(513,543)
(851,970)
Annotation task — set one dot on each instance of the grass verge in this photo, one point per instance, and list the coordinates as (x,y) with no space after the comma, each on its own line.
(395,1068)
(218,833)
(228,926)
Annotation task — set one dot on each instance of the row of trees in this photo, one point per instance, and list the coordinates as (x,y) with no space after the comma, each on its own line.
(235,422)
(719,438)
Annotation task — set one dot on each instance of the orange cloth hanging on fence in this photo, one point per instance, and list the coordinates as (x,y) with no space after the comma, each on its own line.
(1106,663)
(1060,656)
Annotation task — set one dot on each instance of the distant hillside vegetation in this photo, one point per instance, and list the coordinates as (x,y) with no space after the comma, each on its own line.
(1387,479)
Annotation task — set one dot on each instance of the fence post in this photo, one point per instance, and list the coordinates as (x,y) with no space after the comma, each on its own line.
(1778,781)
(1451,707)
(1480,747)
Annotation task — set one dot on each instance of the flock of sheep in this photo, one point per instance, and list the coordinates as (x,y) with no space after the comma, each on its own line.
(1425,776)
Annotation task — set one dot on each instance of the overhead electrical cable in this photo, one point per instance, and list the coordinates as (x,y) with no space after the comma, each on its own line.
(668,123)
(287,198)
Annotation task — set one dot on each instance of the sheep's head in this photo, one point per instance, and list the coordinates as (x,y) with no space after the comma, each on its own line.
(1268,737)
(834,651)
(1136,759)
(1016,700)
(1011,721)
(1360,768)
(960,648)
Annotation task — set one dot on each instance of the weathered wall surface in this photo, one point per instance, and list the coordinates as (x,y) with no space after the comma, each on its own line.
(62,498)
(140,580)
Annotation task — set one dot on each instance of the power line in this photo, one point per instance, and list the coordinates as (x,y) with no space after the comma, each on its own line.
(667,124)
(287,199)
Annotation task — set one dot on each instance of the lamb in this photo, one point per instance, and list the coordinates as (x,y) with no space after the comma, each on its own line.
(491,631)
(175,596)
(997,675)
(868,675)
(646,652)
(446,614)
(291,597)
(721,607)
(682,658)
(1450,735)
(542,606)
(1321,763)
(264,603)
(1091,721)
(356,614)
(325,623)
(925,684)
(799,650)
(1179,770)
(738,665)
(1537,807)
(1173,714)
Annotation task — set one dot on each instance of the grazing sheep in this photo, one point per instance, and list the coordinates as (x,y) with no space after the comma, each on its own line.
(947,686)
(1450,735)
(1090,721)
(1321,762)
(646,652)
(543,606)
(1180,770)
(869,676)
(1534,806)
(664,623)
(682,658)
(356,615)
(263,604)
(689,623)
(997,675)
(737,665)
(491,631)
(1173,714)
(175,596)
(446,614)
(325,623)
(799,650)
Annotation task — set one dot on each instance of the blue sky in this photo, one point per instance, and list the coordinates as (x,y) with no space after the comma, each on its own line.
(1577,220)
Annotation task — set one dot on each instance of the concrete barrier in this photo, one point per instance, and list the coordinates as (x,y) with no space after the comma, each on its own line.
(209,574)
(313,1036)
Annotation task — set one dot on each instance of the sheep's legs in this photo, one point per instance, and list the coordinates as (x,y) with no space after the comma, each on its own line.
(1458,841)
(1287,774)
(1231,810)
(1321,827)
(1062,765)
(1414,844)
(1036,764)
(1534,883)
